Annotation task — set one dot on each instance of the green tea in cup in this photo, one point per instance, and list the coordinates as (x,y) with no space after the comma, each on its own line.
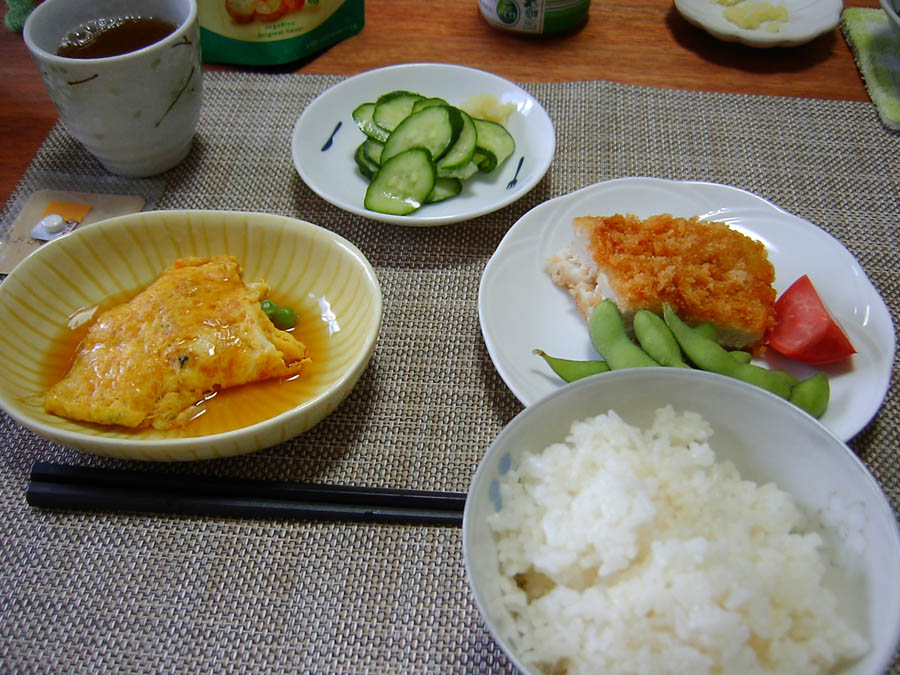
(125,75)
(104,37)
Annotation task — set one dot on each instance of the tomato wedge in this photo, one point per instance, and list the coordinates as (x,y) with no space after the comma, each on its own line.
(804,329)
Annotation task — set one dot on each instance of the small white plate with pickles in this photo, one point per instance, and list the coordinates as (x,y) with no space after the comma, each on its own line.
(326,136)
(521,309)
(800,21)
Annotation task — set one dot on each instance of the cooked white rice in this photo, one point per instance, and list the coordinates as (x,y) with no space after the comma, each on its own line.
(624,550)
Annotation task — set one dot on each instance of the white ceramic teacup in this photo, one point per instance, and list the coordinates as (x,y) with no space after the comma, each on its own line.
(136,112)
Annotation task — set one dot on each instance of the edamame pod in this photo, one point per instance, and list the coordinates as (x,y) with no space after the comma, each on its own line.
(571,370)
(812,394)
(709,355)
(746,357)
(657,340)
(790,380)
(773,380)
(607,331)
(707,330)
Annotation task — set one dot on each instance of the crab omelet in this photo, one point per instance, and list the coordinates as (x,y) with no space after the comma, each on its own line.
(195,330)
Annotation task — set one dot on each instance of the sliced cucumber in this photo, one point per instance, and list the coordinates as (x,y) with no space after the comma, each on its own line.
(485,159)
(367,167)
(373,150)
(462,172)
(403,183)
(394,107)
(419,149)
(362,115)
(427,103)
(444,188)
(434,128)
(460,153)
(493,138)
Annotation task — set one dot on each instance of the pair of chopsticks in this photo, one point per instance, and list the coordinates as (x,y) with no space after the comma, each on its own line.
(62,486)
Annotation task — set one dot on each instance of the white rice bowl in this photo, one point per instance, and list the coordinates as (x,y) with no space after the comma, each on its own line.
(607,531)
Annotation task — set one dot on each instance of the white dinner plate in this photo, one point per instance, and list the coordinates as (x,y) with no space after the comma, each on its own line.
(330,170)
(521,309)
(807,20)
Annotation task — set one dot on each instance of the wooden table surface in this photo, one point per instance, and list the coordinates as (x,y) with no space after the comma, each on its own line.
(641,42)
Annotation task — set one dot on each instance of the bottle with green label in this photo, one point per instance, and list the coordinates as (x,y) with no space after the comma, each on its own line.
(537,17)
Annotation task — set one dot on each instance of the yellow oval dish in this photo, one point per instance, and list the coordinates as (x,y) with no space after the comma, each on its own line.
(305,265)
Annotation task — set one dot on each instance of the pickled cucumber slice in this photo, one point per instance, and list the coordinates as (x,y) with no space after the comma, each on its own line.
(403,183)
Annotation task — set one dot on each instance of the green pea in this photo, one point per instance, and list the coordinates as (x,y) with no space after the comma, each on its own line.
(709,355)
(268,307)
(812,394)
(657,340)
(284,317)
(571,370)
(607,331)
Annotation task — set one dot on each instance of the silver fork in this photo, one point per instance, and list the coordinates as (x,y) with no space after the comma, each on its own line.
(511,184)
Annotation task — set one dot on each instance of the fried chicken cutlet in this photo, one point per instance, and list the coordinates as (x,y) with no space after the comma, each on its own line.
(197,329)
(705,270)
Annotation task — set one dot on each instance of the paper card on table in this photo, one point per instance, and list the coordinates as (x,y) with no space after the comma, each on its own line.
(76,208)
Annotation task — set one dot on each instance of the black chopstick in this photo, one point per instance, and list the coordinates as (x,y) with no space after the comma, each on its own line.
(64,486)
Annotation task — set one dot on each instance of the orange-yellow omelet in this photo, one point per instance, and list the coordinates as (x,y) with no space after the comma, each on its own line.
(198,328)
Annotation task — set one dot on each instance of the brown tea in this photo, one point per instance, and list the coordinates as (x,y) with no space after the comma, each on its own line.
(110,37)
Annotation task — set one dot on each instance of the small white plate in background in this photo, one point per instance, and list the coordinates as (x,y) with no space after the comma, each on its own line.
(807,20)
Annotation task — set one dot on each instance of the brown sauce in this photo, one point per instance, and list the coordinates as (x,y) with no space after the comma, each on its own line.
(111,37)
(232,408)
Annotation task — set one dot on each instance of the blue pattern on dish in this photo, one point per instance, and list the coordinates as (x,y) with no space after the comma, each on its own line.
(331,138)
(515,179)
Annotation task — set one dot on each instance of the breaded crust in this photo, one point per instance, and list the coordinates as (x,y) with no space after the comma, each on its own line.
(705,270)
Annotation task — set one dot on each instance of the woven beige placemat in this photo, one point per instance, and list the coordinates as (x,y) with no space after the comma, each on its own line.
(116,593)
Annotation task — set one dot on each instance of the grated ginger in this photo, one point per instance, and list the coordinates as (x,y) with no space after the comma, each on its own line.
(751,14)
(488,107)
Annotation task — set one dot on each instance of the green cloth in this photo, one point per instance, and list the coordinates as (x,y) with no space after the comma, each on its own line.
(875,44)
(16,13)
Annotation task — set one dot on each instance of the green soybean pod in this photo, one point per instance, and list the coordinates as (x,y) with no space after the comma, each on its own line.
(709,355)
(570,369)
(773,380)
(812,394)
(791,380)
(657,340)
(745,357)
(704,353)
(607,331)
(707,330)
